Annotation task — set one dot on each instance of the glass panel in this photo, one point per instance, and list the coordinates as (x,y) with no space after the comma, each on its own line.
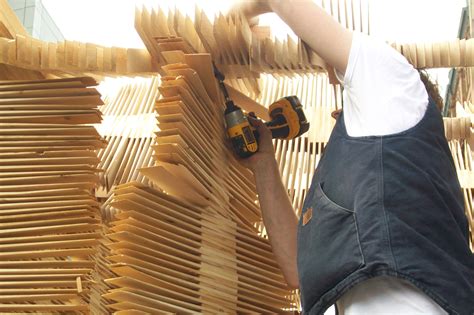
(17,4)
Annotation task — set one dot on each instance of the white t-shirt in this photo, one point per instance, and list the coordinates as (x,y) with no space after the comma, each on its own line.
(387,296)
(383,94)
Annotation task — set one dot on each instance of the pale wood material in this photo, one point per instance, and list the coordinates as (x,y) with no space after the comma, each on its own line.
(230,41)
(240,53)
(128,127)
(458,128)
(456,53)
(298,158)
(173,256)
(194,242)
(8,72)
(187,153)
(49,216)
(191,245)
(463,157)
(74,57)
(10,25)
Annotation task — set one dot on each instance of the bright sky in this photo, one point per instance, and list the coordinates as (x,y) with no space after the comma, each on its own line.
(111,22)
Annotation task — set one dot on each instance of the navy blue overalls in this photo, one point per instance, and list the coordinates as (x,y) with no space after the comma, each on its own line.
(386,205)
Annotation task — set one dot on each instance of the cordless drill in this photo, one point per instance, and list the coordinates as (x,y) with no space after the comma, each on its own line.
(287,121)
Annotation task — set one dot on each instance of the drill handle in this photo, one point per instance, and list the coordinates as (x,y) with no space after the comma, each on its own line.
(278,127)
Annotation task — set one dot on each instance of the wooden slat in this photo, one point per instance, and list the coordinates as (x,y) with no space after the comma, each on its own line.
(178,251)
(46,224)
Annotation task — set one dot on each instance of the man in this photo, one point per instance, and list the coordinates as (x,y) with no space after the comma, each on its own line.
(383,229)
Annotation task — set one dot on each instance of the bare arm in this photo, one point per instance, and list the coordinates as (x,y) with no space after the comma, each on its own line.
(330,40)
(279,217)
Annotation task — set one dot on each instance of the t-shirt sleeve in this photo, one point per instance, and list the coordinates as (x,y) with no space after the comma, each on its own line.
(383,92)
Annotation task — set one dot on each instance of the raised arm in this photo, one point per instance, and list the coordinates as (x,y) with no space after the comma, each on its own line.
(330,40)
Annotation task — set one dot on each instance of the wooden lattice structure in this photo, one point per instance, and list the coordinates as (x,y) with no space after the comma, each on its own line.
(460,103)
(48,211)
(142,208)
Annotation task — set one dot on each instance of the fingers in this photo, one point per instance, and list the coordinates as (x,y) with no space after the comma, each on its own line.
(255,122)
(251,9)
(265,134)
(253,21)
(335,114)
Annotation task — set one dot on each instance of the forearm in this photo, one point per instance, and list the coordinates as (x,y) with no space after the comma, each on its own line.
(279,218)
(330,40)
(318,29)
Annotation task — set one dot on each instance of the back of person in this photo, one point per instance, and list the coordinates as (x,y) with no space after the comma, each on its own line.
(383,229)
(383,95)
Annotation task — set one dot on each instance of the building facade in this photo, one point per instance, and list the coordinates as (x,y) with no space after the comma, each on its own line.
(36,20)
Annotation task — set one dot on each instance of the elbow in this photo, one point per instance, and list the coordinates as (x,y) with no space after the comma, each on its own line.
(290,273)
(292,283)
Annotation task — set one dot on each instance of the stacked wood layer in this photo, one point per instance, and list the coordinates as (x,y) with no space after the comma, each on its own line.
(172,256)
(73,57)
(49,216)
(240,52)
(194,241)
(212,258)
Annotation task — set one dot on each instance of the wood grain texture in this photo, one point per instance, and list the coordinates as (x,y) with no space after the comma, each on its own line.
(177,228)
(49,216)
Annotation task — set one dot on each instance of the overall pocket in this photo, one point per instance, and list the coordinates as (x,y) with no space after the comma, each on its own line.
(328,246)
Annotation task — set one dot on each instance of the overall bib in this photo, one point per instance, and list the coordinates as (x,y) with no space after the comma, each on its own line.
(386,205)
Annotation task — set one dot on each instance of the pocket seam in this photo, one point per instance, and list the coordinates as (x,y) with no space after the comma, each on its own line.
(334,210)
(362,263)
(325,197)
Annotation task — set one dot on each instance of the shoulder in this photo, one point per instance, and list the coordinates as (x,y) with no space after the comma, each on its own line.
(383,91)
